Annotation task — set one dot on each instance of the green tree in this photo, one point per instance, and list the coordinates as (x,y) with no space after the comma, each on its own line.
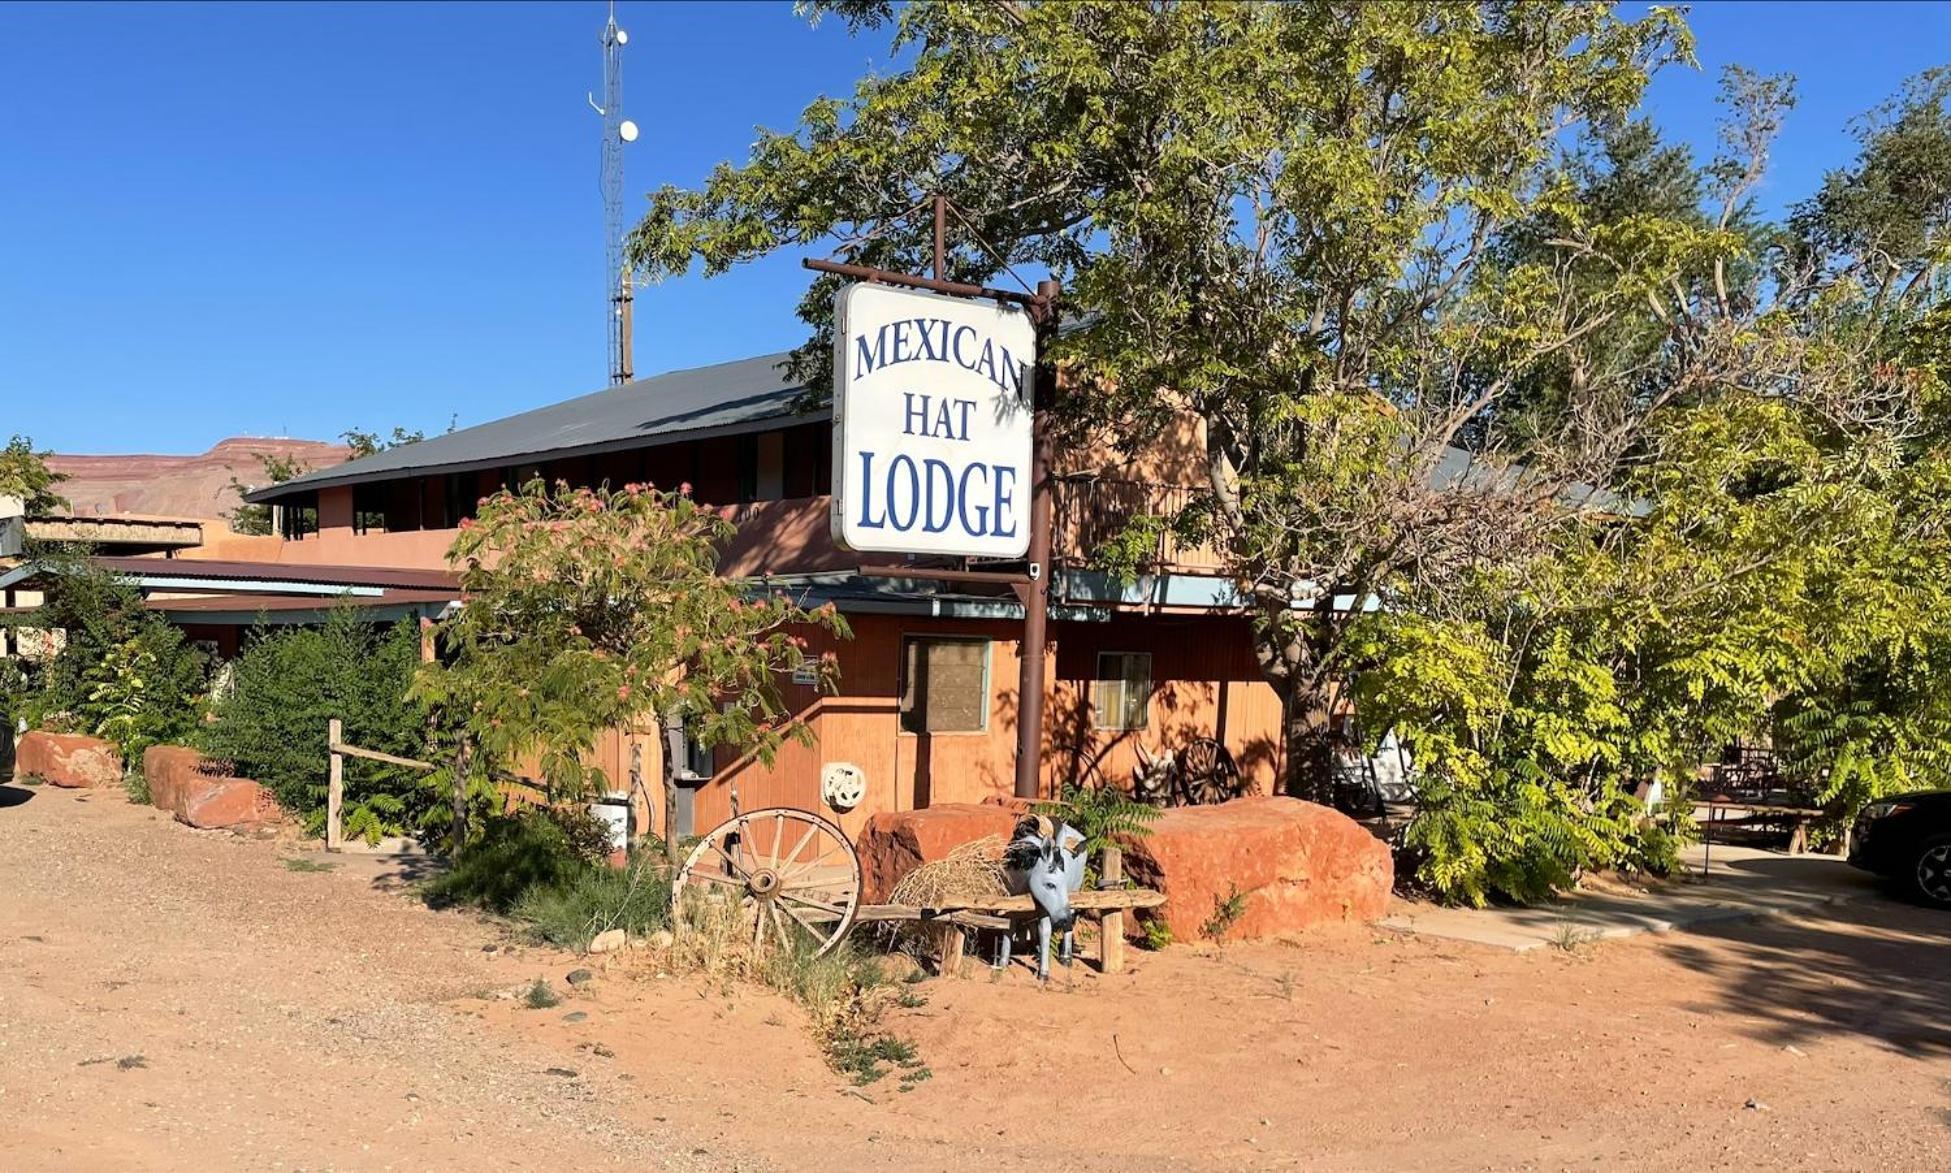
(121,672)
(24,473)
(368,443)
(274,469)
(1276,219)
(271,721)
(1780,577)
(586,610)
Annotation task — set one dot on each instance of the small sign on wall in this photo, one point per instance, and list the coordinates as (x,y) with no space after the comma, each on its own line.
(807,675)
(932,423)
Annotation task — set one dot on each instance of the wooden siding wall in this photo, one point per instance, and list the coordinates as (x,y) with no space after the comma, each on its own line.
(1204,684)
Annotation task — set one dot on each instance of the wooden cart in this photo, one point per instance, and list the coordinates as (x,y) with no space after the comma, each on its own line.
(798,879)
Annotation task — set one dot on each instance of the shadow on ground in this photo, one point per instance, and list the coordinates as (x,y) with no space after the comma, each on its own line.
(1877,968)
(11,795)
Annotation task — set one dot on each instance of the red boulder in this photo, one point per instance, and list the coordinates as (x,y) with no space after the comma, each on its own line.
(895,843)
(1295,864)
(67,759)
(179,784)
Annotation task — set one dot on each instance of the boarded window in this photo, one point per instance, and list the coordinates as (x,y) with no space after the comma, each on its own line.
(944,685)
(1122,693)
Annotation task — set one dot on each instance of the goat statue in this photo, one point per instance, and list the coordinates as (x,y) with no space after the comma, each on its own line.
(1046,860)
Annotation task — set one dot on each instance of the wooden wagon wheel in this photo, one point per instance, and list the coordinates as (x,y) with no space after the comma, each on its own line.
(1206,773)
(789,871)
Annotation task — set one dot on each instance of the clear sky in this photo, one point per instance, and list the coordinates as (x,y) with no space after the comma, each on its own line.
(294,219)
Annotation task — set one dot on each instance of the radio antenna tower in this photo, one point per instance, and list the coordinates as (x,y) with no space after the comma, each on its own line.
(617,130)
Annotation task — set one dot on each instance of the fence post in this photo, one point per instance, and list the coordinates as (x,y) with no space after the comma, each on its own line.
(334,786)
(1111,922)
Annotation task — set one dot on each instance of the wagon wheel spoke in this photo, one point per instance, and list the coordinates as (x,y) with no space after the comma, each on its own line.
(810,879)
(731,863)
(820,912)
(819,934)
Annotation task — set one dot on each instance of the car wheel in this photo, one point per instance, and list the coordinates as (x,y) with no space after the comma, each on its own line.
(1931,874)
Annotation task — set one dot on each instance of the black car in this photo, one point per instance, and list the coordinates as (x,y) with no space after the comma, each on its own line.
(1908,839)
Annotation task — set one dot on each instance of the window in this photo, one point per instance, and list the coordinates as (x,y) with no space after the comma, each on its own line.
(298,517)
(944,685)
(1122,693)
(368,508)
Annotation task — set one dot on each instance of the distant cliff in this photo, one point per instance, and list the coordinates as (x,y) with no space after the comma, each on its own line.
(180,486)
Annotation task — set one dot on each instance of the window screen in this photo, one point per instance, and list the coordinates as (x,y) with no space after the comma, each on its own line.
(945,685)
(1121,695)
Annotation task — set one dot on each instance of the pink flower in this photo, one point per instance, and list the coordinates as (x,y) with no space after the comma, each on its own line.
(685,489)
(467,523)
(623,692)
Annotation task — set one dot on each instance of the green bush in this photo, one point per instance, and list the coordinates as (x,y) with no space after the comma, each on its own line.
(122,673)
(271,723)
(510,855)
(595,899)
(542,867)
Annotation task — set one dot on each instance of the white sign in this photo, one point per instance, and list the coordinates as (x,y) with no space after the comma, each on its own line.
(931,423)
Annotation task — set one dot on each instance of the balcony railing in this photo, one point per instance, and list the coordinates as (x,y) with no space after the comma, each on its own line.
(1092,512)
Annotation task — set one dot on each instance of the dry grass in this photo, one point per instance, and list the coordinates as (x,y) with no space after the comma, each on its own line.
(972,870)
(844,993)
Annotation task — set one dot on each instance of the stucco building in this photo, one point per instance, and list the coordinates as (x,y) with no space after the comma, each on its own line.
(927,699)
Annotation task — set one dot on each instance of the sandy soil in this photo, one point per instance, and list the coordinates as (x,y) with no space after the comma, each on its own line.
(312,1020)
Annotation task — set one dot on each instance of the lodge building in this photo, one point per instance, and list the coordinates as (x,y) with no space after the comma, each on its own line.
(927,697)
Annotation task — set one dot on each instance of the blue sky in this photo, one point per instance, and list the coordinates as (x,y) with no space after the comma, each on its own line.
(229,219)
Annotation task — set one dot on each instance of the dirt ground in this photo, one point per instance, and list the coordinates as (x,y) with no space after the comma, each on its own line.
(180,999)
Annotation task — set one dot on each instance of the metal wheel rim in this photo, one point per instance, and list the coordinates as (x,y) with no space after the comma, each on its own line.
(805,894)
(1934,872)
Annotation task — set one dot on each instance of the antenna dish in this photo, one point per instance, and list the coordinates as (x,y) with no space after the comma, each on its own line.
(627,131)
(622,38)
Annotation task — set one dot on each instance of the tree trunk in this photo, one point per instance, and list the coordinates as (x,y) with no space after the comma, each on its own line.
(1307,740)
(463,767)
(673,750)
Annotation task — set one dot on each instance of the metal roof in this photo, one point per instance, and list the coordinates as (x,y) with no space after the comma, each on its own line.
(274,577)
(724,399)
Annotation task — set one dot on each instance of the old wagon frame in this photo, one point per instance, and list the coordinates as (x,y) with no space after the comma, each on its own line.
(799,879)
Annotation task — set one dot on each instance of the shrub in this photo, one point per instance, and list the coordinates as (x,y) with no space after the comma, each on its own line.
(1101,814)
(596,899)
(121,673)
(511,855)
(272,722)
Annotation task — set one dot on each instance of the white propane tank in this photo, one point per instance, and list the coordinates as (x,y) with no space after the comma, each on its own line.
(614,811)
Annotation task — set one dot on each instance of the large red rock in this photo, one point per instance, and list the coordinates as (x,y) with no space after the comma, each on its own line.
(179,784)
(1296,863)
(895,843)
(67,759)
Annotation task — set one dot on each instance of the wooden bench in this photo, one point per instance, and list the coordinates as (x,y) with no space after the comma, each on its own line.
(1004,913)
(1762,814)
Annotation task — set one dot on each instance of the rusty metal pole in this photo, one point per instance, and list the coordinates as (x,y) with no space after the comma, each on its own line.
(1031,681)
(941,237)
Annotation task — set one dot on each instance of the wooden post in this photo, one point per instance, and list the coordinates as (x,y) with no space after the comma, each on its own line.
(334,786)
(1111,922)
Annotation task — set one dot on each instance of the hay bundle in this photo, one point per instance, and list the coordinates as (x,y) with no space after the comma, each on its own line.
(972,871)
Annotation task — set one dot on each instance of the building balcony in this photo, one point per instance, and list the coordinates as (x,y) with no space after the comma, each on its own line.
(779,537)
